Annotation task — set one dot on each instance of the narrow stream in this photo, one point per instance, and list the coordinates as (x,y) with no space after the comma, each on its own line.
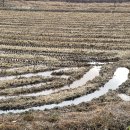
(119,77)
(91,74)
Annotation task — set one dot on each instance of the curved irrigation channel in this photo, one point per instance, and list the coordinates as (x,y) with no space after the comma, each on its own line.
(91,74)
(119,77)
(44,74)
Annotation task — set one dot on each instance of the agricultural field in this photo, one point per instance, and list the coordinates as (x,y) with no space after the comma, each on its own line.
(64,66)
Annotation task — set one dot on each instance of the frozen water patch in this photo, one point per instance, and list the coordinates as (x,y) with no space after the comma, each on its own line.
(124,97)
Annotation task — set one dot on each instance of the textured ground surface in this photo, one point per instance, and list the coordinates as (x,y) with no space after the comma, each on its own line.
(39,37)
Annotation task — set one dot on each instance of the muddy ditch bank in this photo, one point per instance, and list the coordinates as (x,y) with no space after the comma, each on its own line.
(22,103)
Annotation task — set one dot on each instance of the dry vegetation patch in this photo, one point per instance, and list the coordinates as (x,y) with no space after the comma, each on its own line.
(39,36)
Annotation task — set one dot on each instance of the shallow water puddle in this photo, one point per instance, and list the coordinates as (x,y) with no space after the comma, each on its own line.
(91,74)
(124,97)
(86,77)
(44,74)
(96,63)
(31,86)
(120,76)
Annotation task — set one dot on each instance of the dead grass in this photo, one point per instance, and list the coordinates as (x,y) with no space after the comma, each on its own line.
(9,127)
(70,36)
(28,117)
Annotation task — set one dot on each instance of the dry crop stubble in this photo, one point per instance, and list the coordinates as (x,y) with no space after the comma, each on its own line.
(62,35)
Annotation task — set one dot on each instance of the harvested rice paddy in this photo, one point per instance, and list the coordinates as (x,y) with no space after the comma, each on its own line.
(62,60)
